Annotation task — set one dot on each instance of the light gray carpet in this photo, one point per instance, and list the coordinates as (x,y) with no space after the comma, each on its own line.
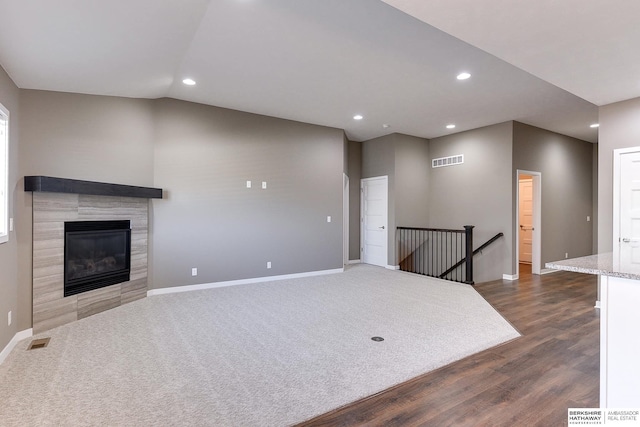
(267,354)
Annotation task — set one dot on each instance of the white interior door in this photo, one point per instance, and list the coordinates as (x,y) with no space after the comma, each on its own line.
(374,220)
(629,211)
(525,218)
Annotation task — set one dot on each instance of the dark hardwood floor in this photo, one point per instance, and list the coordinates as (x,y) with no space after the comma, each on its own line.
(530,381)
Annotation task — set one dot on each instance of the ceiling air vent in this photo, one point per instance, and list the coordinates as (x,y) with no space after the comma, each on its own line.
(458,159)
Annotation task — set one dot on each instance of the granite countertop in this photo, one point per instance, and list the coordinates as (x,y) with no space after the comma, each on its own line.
(602,264)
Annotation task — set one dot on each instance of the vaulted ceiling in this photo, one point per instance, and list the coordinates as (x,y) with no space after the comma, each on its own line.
(547,63)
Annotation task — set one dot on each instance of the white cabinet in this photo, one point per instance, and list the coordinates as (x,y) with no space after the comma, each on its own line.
(619,343)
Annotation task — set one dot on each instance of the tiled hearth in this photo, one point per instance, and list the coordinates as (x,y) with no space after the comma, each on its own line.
(50,211)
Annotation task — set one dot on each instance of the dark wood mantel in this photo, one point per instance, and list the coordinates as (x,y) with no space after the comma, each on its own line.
(62,185)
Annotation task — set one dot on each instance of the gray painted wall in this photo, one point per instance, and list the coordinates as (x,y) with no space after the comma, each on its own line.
(355,174)
(594,188)
(405,160)
(210,220)
(9,289)
(566,165)
(378,159)
(619,128)
(478,192)
(97,138)
(345,154)
(411,181)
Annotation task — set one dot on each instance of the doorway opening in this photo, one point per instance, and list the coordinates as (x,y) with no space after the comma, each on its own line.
(528,233)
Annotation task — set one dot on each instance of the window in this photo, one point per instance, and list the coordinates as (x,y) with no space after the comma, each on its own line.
(4,174)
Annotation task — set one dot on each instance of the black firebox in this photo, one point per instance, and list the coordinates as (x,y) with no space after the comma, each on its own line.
(96,254)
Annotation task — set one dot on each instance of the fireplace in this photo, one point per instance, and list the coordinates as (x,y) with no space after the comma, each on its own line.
(59,200)
(96,254)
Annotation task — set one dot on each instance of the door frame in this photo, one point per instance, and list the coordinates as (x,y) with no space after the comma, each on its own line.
(536,235)
(345,219)
(362,211)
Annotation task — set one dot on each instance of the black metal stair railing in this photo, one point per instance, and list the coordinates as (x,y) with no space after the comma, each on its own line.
(432,251)
(442,253)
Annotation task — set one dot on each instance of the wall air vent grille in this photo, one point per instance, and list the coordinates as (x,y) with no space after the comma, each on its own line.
(458,159)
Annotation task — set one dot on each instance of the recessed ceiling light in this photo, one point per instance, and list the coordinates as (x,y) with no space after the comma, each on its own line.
(357,117)
(189,82)
(451,126)
(595,125)
(463,76)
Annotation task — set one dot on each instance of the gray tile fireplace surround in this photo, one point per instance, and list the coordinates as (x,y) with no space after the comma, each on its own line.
(50,211)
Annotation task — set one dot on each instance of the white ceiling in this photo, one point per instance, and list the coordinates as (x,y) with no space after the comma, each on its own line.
(322,61)
(586,47)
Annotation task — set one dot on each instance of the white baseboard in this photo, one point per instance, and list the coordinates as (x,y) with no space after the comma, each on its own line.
(392,267)
(15,340)
(202,286)
(517,276)
(354,261)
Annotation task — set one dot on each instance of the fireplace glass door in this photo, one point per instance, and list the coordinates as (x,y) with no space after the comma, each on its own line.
(97,254)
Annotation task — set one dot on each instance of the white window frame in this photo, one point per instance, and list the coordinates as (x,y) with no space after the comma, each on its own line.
(4,174)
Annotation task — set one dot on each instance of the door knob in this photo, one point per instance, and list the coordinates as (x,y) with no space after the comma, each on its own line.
(382,227)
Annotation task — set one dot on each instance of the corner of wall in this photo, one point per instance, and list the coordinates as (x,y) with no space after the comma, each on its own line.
(19,336)
(10,290)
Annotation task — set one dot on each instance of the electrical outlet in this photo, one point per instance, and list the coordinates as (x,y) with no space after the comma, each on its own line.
(248,184)
(329,218)
(566,254)
(268,264)
(264,185)
(194,271)
(9,318)
(588,218)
